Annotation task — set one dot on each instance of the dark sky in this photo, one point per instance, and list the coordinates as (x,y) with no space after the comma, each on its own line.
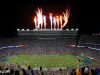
(89,16)
(27,11)
(18,14)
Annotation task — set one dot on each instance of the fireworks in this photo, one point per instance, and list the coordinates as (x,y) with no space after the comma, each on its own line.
(57,18)
(61,22)
(39,18)
(35,21)
(50,16)
(66,17)
(56,22)
(44,21)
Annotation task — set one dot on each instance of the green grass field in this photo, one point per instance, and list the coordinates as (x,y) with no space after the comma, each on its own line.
(47,61)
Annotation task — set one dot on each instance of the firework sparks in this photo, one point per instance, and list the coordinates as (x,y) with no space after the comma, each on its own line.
(44,21)
(66,17)
(50,16)
(61,21)
(58,22)
(35,21)
(57,17)
(54,21)
(39,17)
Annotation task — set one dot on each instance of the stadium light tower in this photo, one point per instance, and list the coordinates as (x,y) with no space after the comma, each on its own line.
(28,29)
(67,29)
(18,29)
(72,29)
(22,29)
(76,29)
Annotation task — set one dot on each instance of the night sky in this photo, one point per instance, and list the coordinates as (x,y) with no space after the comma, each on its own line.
(84,15)
(27,11)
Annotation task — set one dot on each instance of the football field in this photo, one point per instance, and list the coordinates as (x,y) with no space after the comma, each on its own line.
(49,61)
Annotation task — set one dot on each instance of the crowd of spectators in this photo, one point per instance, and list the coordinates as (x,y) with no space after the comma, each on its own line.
(51,46)
(47,47)
(21,70)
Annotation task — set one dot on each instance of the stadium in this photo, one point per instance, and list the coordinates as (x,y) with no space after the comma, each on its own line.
(50,50)
(50,41)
